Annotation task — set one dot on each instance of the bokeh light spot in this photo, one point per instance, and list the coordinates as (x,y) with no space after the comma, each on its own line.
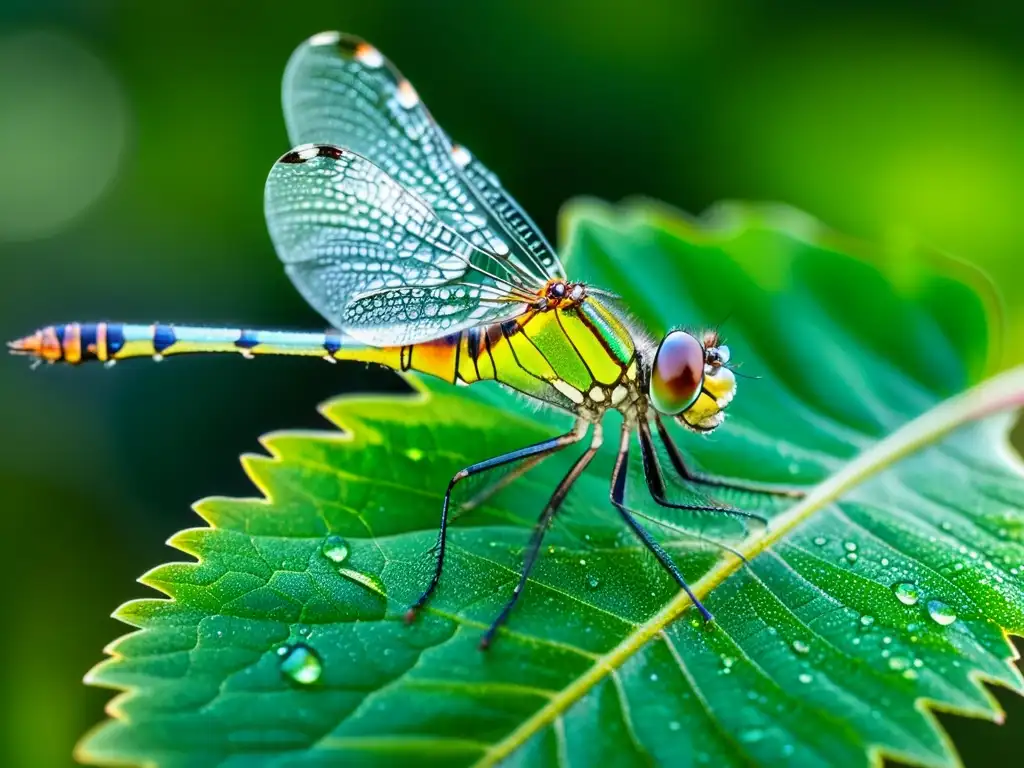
(63,123)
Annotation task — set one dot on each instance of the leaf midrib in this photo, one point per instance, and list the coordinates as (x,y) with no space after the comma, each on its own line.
(987,398)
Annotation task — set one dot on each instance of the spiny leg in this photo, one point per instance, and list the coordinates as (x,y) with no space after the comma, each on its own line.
(656,482)
(676,457)
(618,496)
(539,529)
(537,449)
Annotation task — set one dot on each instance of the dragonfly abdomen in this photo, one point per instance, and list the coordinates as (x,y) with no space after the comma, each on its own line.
(76,343)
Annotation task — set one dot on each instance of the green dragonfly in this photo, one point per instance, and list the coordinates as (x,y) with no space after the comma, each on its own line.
(421,261)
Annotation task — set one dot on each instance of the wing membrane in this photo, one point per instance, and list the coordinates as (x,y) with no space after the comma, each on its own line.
(340,90)
(373,258)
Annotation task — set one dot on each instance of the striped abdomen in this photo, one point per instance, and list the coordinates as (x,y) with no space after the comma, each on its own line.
(564,356)
(108,342)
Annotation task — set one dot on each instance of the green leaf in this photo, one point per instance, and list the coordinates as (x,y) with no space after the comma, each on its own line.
(893,583)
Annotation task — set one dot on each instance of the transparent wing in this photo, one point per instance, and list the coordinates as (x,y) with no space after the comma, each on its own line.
(373,258)
(340,90)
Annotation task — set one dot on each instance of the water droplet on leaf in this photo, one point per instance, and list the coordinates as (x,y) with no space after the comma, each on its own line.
(414,454)
(593,583)
(335,549)
(867,621)
(800,646)
(941,613)
(368,580)
(907,593)
(299,663)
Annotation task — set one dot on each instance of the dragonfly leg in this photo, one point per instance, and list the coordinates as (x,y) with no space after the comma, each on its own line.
(676,457)
(656,482)
(618,495)
(496,486)
(537,449)
(539,529)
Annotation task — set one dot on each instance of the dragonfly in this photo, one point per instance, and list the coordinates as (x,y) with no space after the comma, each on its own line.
(420,261)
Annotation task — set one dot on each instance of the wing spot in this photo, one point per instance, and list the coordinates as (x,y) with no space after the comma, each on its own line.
(330,37)
(407,96)
(461,156)
(369,56)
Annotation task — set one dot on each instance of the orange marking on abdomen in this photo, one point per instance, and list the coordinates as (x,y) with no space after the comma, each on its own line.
(101,342)
(72,343)
(436,358)
(49,345)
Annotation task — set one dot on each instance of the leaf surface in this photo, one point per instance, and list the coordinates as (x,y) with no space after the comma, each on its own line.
(894,582)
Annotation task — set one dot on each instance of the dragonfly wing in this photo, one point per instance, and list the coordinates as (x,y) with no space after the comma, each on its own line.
(427,313)
(346,230)
(340,90)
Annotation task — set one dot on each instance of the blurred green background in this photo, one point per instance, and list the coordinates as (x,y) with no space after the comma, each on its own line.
(135,139)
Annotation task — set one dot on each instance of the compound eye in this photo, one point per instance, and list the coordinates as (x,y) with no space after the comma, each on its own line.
(677,374)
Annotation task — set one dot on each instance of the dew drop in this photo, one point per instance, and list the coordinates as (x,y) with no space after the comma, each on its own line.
(850,546)
(414,454)
(800,646)
(941,613)
(899,663)
(674,725)
(754,734)
(593,582)
(335,549)
(805,677)
(820,541)
(851,557)
(299,663)
(583,562)
(369,581)
(654,677)
(907,593)
(867,621)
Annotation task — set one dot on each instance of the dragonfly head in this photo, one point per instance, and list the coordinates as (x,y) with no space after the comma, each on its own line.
(690,380)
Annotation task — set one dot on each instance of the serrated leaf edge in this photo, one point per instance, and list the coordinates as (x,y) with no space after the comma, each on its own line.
(992,396)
